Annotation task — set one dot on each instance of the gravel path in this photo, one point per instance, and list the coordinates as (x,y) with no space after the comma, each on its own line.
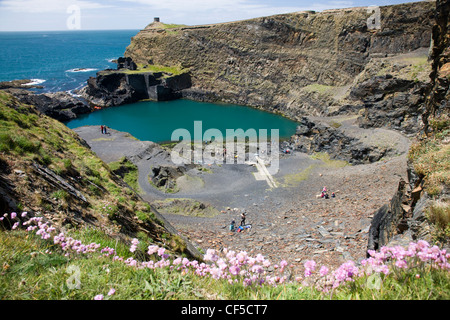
(288,222)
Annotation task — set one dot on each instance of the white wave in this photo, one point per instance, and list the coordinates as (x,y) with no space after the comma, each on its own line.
(81,70)
(34,82)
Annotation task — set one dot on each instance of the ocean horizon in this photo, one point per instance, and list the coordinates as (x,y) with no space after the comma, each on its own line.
(60,60)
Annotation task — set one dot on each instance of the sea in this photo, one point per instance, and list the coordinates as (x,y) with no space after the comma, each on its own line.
(60,60)
(64,61)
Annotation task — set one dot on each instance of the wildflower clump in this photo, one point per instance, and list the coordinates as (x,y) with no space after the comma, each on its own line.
(239,267)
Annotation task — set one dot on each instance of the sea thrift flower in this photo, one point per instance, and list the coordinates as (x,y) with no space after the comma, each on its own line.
(234,270)
(401,264)
(111,291)
(134,244)
(310,265)
(211,255)
(323,271)
(152,249)
(283,264)
(98,297)
(161,251)
(13,215)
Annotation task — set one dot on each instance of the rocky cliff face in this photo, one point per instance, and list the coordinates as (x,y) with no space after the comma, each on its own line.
(113,88)
(285,63)
(408,216)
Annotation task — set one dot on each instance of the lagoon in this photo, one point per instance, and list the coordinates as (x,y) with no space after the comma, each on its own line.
(156,121)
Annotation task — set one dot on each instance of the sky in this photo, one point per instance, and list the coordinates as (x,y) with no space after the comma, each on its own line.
(48,15)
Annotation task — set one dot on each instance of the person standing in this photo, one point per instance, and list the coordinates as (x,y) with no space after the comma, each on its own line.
(243,219)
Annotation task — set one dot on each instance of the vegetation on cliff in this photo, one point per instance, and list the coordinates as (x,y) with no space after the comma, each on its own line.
(47,170)
(430,155)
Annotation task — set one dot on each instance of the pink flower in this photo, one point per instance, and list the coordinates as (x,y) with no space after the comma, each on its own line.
(111,291)
(323,271)
(152,249)
(310,265)
(161,251)
(98,297)
(401,264)
(13,215)
(234,270)
(134,244)
(257,269)
(210,255)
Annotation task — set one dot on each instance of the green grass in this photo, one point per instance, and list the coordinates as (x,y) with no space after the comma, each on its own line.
(166,70)
(319,88)
(431,157)
(36,269)
(127,171)
(325,157)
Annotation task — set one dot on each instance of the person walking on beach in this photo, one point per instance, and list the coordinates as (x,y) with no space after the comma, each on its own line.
(101,127)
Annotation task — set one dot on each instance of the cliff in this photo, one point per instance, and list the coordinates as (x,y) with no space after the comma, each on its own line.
(285,63)
(421,209)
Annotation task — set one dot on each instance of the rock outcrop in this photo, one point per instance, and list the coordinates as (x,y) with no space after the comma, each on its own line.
(61,106)
(316,137)
(117,87)
(273,62)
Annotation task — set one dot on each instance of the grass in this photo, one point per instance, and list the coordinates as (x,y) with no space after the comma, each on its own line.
(292,179)
(36,269)
(186,207)
(431,157)
(439,215)
(172,25)
(127,171)
(319,88)
(328,162)
(166,70)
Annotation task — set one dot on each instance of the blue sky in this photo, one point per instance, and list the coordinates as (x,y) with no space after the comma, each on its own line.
(37,15)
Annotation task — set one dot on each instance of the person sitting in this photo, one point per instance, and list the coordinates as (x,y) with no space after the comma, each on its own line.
(232,225)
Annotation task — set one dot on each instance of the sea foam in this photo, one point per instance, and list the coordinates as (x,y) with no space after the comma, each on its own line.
(81,70)
(34,82)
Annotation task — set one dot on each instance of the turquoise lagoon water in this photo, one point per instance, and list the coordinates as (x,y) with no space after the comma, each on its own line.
(156,121)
